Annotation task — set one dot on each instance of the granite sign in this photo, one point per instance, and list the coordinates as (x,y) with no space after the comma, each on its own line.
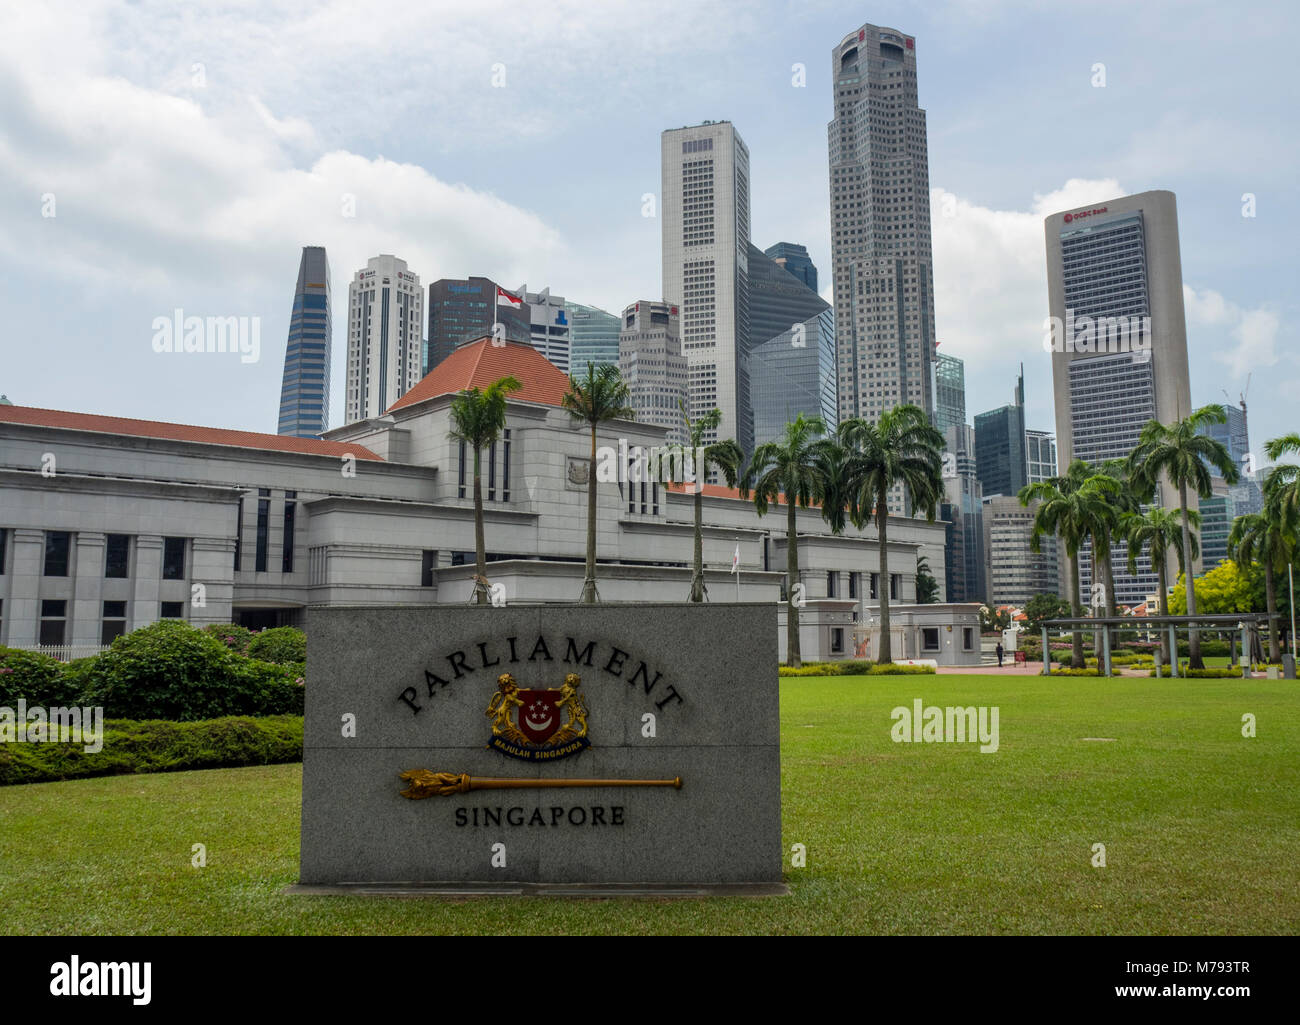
(533,746)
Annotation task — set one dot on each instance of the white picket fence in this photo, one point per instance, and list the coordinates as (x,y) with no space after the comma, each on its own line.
(64,652)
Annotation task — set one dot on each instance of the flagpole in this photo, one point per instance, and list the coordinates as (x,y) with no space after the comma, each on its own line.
(738,572)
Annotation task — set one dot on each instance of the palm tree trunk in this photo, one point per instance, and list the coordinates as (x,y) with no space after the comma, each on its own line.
(1111,604)
(1194,660)
(882,530)
(1076,638)
(1162,606)
(1270,592)
(480,553)
(792,575)
(697,576)
(589,582)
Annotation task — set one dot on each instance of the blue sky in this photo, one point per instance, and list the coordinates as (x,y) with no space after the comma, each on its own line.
(191,153)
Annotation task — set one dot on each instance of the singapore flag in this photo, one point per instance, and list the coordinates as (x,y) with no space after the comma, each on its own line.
(504,298)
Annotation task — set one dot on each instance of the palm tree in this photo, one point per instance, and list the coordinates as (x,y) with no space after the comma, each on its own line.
(1183,454)
(1070,507)
(1283,480)
(1158,530)
(900,448)
(791,469)
(723,456)
(478,419)
(1269,538)
(601,396)
(1127,499)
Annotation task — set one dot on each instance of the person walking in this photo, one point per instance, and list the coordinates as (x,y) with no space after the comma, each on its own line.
(999,650)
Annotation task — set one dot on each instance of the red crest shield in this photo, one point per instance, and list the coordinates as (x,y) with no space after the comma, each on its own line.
(539,716)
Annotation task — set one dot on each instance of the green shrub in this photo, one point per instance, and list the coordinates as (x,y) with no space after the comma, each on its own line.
(36,678)
(158,746)
(893,669)
(234,637)
(855,667)
(1222,673)
(1078,672)
(813,669)
(282,644)
(170,670)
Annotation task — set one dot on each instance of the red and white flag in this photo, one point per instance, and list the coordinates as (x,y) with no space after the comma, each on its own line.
(504,298)
(735,561)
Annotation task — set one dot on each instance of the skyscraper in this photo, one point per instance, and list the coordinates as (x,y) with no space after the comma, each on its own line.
(1040,456)
(651,363)
(385,336)
(1013,571)
(548,324)
(795,259)
(880,226)
(791,350)
(463,310)
(949,393)
(705,190)
(1000,446)
(305,387)
(963,508)
(1118,339)
(593,337)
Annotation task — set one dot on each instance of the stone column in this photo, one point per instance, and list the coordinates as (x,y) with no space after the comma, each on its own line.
(214,568)
(22,614)
(145,583)
(86,610)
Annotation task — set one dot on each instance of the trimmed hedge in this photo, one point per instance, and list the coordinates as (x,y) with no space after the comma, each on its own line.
(1079,672)
(854,668)
(158,746)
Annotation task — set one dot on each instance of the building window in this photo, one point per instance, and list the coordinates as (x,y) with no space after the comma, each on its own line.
(853,585)
(263,530)
(460,493)
(239,533)
(53,620)
(875,585)
(290,508)
(428,562)
(173,558)
(968,637)
(930,638)
(114,623)
(117,555)
(505,466)
(895,581)
(4,536)
(837,640)
(173,610)
(831,584)
(58,543)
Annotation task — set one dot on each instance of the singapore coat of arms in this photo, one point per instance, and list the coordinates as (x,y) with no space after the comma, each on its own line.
(538,725)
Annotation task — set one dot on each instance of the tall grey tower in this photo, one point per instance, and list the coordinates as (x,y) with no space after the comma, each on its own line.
(1118,338)
(705,190)
(385,325)
(305,388)
(880,226)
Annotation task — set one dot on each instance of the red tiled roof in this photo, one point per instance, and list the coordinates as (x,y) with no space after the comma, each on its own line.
(179,432)
(480,363)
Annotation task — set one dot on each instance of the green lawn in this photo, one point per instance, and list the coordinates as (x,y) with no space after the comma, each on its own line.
(1201,827)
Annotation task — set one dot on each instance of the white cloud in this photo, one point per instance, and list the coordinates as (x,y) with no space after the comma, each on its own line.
(1254,331)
